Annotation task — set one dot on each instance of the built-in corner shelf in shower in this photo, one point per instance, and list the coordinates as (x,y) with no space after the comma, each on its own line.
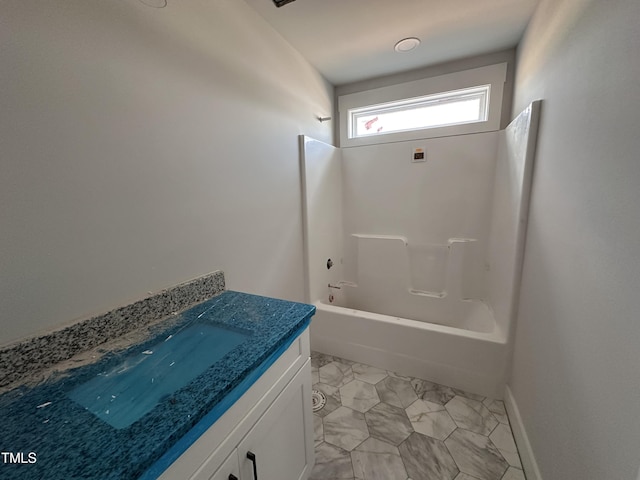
(423,293)
(390,261)
(392,238)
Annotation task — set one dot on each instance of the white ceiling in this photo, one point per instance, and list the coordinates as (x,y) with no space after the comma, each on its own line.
(351,40)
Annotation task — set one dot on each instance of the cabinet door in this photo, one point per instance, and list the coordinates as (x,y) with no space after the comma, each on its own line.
(229,468)
(282,440)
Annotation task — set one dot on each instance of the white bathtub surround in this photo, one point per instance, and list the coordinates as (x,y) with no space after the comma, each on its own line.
(510,212)
(321,170)
(391,276)
(427,257)
(448,197)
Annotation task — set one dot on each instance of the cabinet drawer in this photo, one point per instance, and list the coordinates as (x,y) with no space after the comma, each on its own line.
(228,468)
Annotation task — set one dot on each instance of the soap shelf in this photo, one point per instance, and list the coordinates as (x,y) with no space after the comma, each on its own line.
(431,270)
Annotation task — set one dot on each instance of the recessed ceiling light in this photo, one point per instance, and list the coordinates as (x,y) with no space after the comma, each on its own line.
(407,44)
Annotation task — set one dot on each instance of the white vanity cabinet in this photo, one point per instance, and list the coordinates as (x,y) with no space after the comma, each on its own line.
(272,422)
(278,441)
(229,468)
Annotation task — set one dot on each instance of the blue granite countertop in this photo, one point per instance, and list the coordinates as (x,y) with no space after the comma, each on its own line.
(57,438)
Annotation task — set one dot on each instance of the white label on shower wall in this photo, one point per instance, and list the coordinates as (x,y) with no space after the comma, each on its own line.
(419,155)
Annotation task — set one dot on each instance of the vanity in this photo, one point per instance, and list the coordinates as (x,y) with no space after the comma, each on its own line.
(222,391)
(271,438)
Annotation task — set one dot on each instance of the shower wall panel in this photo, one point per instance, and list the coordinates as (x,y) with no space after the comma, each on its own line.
(320,165)
(514,171)
(429,203)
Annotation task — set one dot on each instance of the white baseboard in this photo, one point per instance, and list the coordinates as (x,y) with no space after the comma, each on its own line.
(529,463)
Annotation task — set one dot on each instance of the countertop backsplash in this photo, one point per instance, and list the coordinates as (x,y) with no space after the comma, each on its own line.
(34,360)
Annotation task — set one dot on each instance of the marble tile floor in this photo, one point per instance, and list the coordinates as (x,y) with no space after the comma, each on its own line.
(377,425)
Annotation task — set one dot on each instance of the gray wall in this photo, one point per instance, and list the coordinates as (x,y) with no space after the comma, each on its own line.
(143,147)
(576,369)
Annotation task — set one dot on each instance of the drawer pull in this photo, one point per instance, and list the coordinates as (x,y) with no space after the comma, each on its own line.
(252,456)
(232,477)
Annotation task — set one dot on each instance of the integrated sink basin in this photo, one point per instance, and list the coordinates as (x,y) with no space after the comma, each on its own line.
(126,392)
(221,347)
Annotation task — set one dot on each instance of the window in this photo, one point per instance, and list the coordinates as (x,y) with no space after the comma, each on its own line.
(457,103)
(449,108)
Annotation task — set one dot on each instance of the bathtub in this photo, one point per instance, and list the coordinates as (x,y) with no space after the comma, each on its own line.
(386,236)
(471,356)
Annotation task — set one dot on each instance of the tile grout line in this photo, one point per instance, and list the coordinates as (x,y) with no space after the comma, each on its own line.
(409,380)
